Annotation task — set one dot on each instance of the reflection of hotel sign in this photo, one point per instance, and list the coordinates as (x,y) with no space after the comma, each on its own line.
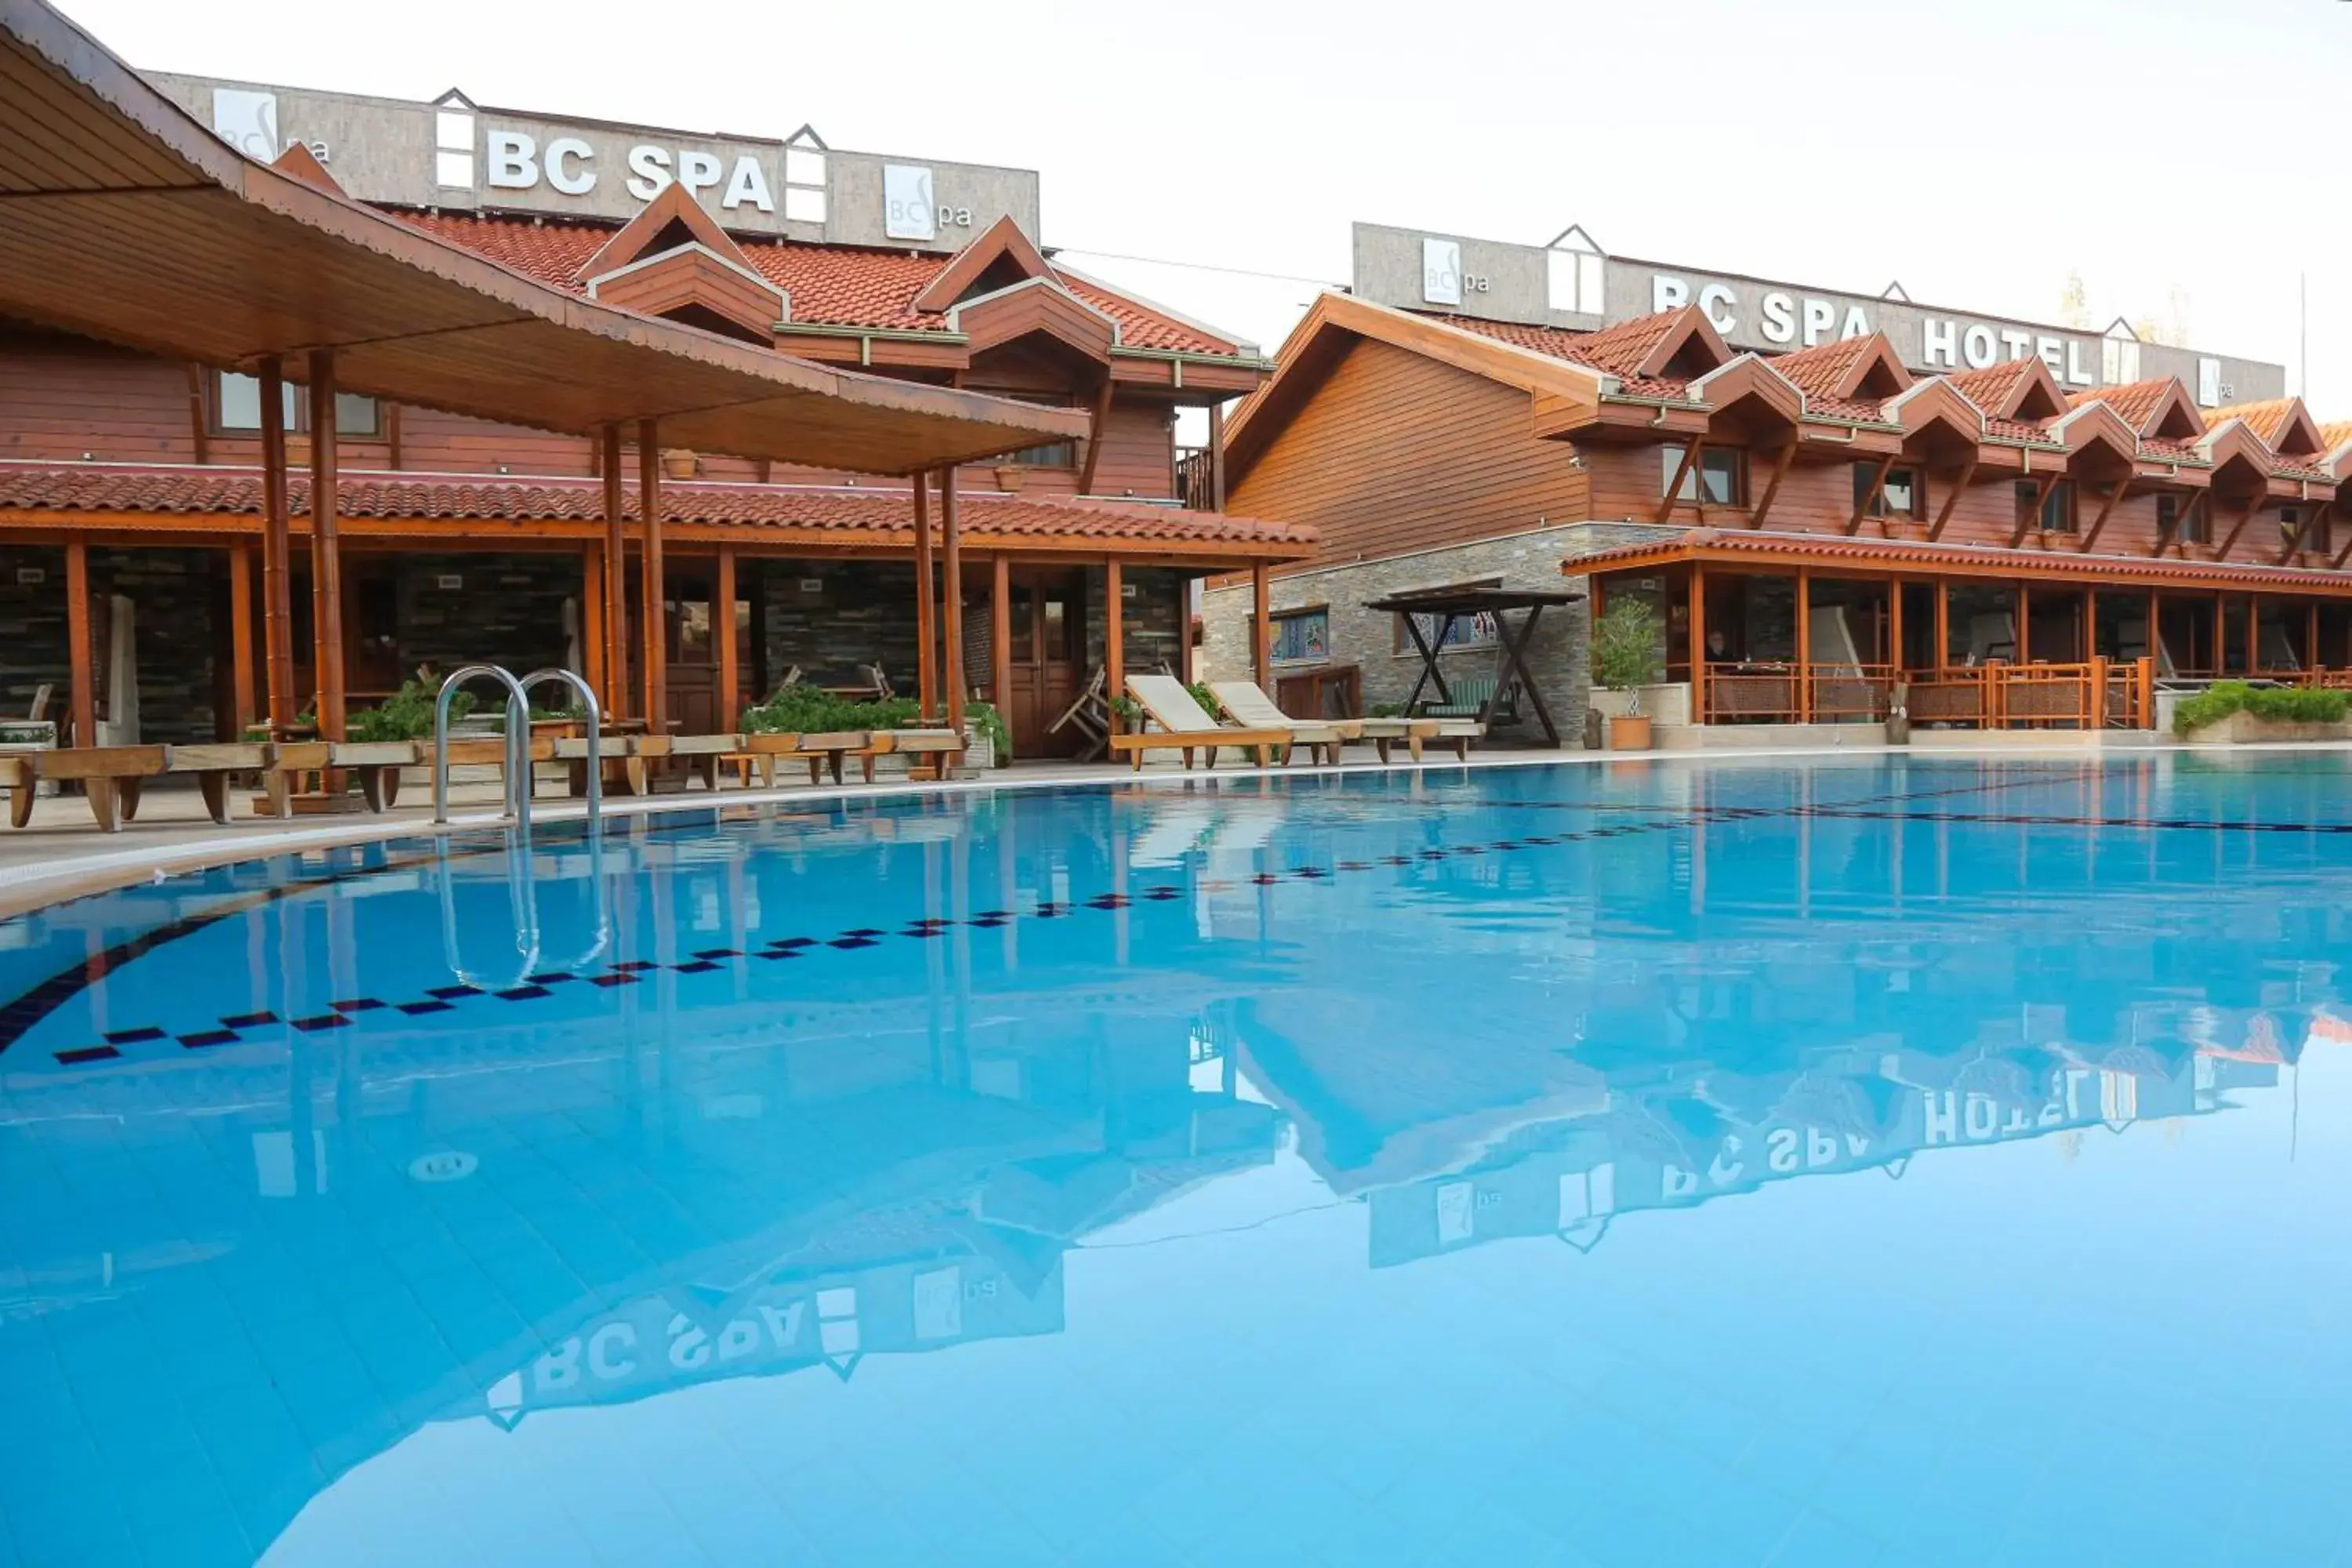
(1788,319)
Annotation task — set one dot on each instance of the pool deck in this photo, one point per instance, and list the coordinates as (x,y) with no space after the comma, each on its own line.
(60,854)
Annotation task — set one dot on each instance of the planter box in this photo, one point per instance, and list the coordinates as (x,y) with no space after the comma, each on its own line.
(2245,729)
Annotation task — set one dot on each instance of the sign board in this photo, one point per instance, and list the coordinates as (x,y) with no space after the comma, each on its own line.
(1574,285)
(452,153)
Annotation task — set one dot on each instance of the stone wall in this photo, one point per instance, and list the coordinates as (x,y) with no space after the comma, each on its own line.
(829,618)
(1153,625)
(1558,655)
(172,593)
(508,609)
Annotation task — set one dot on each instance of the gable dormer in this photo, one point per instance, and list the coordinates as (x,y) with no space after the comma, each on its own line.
(673,260)
(303,164)
(2037,396)
(2175,417)
(996,260)
(2020,389)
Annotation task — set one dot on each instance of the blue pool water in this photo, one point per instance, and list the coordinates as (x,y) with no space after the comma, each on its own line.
(1924,1162)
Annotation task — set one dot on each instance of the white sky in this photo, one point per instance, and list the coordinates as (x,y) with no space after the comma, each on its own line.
(1975,152)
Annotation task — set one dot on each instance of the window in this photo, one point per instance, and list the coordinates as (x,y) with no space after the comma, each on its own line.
(1302,636)
(1714,480)
(2057,506)
(1054,454)
(1898,495)
(236,406)
(2316,533)
(1575,274)
(2167,515)
(453,142)
(2195,525)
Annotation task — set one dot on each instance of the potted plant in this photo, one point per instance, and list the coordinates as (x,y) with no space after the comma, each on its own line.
(1625,641)
(678,463)
(1008,477)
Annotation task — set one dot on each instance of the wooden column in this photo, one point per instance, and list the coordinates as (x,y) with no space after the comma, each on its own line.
(722,628)
(1114,632)
(655,632)
(1895,626)
(593,634)
(240,636)
(1943,623)
(2090,638)
(2024,607)
(82,698)
(1217,456)
(616,576)
(2311,636)
(927,631)
(277,551)
(2154,635)
(1000,633)
(1804,645)
(952,564)
(1698,642)
(1261,629)
(2254,635)
(326,550)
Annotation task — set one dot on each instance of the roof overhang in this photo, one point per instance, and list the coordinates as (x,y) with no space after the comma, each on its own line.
(1749,398)
(1835,555)
(100,175)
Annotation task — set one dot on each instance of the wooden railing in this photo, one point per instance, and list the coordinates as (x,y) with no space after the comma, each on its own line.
(1196,486)
(2099,694)
(1795,694)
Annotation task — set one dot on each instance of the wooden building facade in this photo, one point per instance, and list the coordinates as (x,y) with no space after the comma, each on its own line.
(137,480)
(1817,528)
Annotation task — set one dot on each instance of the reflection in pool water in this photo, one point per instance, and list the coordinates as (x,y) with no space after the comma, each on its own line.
(1399,1169)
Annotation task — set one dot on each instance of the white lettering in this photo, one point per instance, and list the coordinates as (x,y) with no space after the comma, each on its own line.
(2075,1078)
(1980,1114)
(2077,372)
(697,171)
(649,169)
(1976,347)
(1668,293)
(689,1347)
(560,1368)
(1715,302)
(601,1361)
(1674,1181)
(748,182)
(2020,344)
(1780,323)
(1820,1149)
(511,168)
(1857,325)
(571,182)
(2048,351)
(961,219)
(1820,317)
(783,1327)
(1781,1149)
(1939,342)
(1723,1170)
(1943,1118)
(739,1338)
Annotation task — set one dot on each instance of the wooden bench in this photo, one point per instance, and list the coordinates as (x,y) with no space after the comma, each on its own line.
(111,776)
(936,746)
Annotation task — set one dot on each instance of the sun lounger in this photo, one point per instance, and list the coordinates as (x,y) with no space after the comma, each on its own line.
(1250,706)
(1416,733)
(1185,728)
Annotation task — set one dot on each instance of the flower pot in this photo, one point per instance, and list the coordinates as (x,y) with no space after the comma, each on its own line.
(679,464)
(1629,733)
(1008,477)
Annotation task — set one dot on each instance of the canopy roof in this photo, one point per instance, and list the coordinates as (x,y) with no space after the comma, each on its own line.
(128,221)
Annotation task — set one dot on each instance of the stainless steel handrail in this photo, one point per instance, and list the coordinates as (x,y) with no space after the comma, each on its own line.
(517,738)
(596,730)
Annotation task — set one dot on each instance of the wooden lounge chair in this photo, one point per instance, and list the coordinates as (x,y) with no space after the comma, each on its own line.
(111,777)
(1183,727)
(820,751)
(924,749)
(1250,706)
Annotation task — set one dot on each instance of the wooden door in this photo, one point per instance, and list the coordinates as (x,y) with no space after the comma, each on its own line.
(1048,625)
(692,690)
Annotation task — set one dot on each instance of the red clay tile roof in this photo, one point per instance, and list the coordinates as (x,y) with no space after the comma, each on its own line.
(2136,402)
(2164,450)
(138,488)
(829,285)
(1990,388)
(2335,435)
(1994,561)
(2266,419)
(1818,371)
(1616,351)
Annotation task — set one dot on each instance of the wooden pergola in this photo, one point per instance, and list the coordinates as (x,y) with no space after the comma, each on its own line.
(127,221)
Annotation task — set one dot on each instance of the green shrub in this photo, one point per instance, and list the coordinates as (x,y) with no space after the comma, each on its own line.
(1206,699)
(800,710)
(405,715)
(2278,704)
(1627,646)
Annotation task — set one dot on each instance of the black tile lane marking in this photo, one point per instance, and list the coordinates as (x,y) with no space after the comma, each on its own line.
(442,998)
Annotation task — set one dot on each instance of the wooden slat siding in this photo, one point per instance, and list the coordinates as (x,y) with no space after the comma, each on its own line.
(61,396)
(1817,496)
(436,443)
(1138,452)
(1398,453)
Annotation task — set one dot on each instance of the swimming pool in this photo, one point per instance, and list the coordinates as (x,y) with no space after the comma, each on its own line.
(1920,1162)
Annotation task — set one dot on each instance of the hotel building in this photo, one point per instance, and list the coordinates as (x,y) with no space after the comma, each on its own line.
(1825,495)
(141,476)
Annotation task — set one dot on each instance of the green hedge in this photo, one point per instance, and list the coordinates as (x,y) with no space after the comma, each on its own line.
(2279,704)
(809,710)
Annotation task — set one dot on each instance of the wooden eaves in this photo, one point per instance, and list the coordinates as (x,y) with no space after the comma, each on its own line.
(127,221)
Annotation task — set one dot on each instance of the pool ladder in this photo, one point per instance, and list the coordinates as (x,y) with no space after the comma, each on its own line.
(522,891)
